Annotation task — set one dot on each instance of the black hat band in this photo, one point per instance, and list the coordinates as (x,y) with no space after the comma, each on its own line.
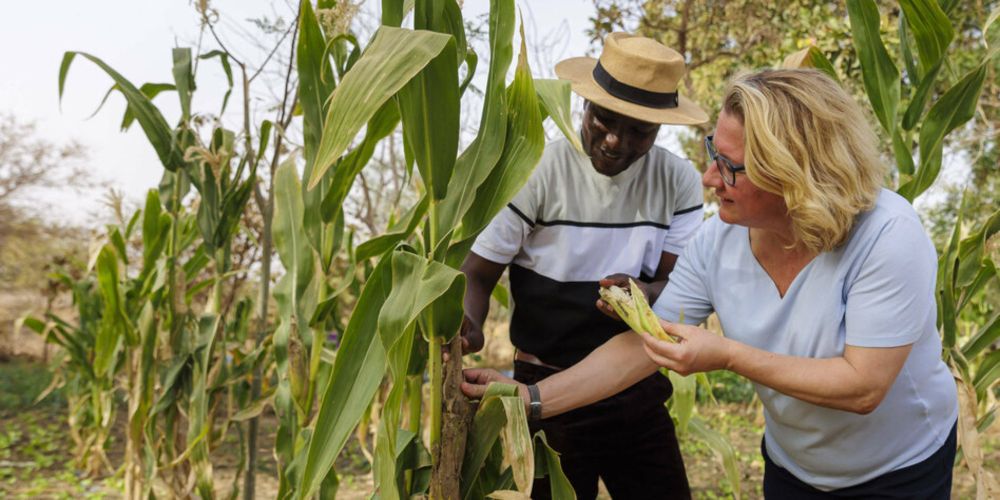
(635,95)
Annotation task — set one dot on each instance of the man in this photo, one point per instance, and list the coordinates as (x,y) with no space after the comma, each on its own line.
(626,208)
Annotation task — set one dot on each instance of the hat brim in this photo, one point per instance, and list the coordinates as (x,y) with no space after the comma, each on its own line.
(579,71)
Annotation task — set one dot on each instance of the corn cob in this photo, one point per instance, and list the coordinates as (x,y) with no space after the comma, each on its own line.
(632,307)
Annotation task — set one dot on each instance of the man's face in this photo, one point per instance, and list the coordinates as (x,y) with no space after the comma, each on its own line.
(613,140)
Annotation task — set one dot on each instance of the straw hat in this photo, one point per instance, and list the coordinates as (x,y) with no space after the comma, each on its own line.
(635,76)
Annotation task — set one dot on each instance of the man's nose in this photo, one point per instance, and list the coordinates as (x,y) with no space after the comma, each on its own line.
(612,140)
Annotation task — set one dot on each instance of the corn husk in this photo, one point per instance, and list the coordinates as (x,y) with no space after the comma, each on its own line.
(633,308)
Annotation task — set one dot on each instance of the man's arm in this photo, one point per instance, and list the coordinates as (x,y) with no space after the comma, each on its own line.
(481,275)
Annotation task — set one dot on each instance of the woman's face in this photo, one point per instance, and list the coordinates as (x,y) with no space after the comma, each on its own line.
(744,203)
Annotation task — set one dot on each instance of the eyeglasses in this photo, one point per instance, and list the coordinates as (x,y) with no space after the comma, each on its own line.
(727,169)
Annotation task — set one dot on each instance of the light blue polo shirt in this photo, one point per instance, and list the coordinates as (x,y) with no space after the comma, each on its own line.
(875,290)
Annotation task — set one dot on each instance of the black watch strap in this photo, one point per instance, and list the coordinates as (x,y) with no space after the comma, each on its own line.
(535,404)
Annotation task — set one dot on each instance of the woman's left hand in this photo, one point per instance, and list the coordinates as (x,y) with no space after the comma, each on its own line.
(696,350)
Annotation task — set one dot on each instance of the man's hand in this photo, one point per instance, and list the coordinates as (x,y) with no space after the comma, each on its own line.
(472,335)
(621,280)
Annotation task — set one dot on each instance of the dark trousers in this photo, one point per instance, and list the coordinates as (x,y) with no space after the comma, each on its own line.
(929,480)
(627,440)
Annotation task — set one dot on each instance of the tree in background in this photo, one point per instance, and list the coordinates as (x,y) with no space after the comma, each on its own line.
(720,38)
(30,165)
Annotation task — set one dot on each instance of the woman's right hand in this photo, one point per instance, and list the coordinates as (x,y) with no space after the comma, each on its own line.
(476,380)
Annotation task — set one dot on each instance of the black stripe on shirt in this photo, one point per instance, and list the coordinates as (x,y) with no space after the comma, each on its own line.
(521,214)
(601,224)
(686,210)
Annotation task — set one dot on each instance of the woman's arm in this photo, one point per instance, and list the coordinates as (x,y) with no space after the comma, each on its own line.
(856,382)
(611,368)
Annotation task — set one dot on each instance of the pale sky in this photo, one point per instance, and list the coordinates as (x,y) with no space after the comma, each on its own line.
(135,38)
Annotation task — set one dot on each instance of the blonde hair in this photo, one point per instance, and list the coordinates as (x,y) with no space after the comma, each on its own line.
(806,140)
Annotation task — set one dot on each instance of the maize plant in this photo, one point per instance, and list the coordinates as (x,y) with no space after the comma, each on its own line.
(918,106)
(410,305)
(89,393)
(167,332)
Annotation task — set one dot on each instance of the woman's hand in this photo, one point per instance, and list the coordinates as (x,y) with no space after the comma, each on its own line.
(476,380)
(696,350)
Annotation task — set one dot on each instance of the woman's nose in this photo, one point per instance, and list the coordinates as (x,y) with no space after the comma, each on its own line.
(711,177)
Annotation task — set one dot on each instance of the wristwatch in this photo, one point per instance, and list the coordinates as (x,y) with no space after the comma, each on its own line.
(535,405)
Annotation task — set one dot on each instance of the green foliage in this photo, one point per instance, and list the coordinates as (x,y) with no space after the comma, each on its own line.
(21,384)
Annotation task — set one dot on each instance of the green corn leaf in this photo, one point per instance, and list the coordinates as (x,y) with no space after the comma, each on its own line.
(184,80)
(683,401)
(547,460)
(154,235)
(393,13)
(416,284)
(521,152)
(477,161)
(392,441)
(392,59)
(396,233)
(150,90)
(987,272)
(152,122)
(984,338)
(316,83)
(973,251)
(920,97)
(113,324)
(906,50)
(429,106)
(987,373)
(903,153)
(881,78)
(357,374)
(291,243)
(501,295)
(227,68)
(208,207)
(485,430)
(931,28)
(555,97)
(946,283)
(955,107)
(722,448)
(381,125)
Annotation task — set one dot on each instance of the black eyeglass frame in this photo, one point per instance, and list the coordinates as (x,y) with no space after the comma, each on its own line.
(728,173)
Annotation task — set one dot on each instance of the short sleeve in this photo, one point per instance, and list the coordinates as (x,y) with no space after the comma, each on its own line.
(890,302)
(687,291)
(682,227)
(504,236)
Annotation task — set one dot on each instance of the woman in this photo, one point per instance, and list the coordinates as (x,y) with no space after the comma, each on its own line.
(824,286)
